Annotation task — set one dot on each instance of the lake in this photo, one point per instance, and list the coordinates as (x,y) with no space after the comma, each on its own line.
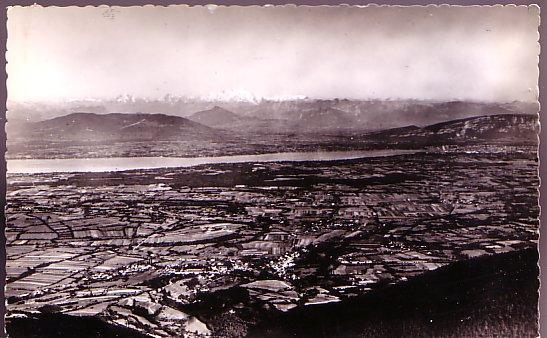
(33,166)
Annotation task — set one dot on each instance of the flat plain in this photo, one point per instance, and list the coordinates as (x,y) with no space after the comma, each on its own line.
(217,249)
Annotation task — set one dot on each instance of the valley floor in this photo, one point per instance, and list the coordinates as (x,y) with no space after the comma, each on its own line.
(232,249)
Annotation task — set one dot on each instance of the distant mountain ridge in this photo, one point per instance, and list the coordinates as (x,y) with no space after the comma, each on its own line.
(115,126)
(509,128)
(379,114)
(283,115)
(347,115)
(323,118)
(216,117)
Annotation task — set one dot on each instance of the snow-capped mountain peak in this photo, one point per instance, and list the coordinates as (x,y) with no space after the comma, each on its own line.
(236,95)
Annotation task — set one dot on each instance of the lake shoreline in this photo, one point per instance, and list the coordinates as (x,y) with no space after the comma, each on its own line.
(115,164)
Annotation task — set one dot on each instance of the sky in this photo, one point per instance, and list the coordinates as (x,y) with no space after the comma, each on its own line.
(437,53)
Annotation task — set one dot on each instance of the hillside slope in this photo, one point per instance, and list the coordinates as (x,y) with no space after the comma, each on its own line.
(505,128)
(115,126)
(216,117)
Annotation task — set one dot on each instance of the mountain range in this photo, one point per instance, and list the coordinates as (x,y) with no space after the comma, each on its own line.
(379,115)
(307,120)
(203,125)
(281,115)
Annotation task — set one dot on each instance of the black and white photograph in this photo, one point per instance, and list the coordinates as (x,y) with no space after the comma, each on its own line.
(272,171)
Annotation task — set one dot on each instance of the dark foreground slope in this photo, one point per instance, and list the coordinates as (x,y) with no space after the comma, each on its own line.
(487,296)
(57,325)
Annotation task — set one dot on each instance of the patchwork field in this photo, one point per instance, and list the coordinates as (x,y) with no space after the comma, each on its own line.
(148,250)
